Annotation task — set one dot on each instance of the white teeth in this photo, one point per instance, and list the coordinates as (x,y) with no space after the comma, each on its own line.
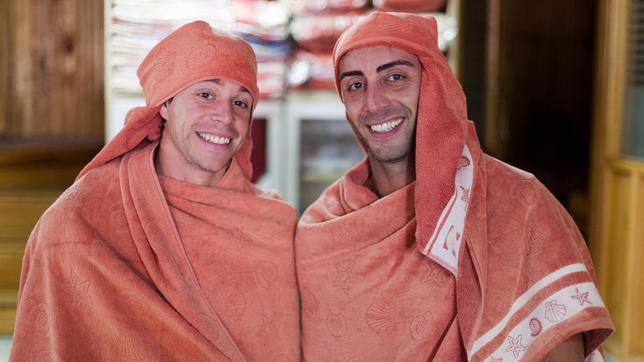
(214,139)
(387,126)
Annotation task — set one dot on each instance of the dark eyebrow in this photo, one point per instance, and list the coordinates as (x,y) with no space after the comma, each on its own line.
(244,89)
(350,73)
(241,88)
(379,69)
(393,64)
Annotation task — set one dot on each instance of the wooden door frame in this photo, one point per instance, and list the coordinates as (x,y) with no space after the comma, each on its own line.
(609,170)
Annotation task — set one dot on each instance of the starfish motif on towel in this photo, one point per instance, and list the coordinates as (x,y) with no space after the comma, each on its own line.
(267,328)
(344,274)
(582,297)
(452,241)
(515,346)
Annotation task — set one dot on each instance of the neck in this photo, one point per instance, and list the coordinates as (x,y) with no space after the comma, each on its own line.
(387,177)
(171,164)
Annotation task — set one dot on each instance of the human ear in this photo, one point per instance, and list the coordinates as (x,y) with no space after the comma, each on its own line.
(164,110)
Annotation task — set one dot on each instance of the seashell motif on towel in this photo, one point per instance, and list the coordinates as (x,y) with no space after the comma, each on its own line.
(265,273)
(201,55)
(163,64)
(536,239)
(420,327)
(233,303)
(554,312)
(336,324)
(40,317)
(535,327)
(207,327)
(134,304)
(464,162)
(130,346)
(310,303)
(379,317)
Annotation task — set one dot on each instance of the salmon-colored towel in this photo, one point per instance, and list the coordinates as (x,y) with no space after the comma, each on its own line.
(128,265)
(475,260)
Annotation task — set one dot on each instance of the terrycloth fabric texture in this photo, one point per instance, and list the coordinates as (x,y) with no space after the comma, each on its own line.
(190,54)
(524,281)
(129,266)
(367,293)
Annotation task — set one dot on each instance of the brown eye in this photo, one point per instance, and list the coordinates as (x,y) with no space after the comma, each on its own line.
(241,104)
(205,95)
(355,86)
(396,77)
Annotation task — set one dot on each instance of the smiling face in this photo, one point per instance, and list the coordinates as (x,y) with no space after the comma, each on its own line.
(206,124)
(380,86)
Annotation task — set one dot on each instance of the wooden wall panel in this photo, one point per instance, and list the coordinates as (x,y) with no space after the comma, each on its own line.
(31,179)
(538,96)
(615,290)
(5,69)
(617,233)
(638,272)
(54,61)
(51,117)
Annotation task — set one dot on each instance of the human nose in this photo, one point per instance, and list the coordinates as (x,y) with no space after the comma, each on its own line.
(222,111)
(376,98)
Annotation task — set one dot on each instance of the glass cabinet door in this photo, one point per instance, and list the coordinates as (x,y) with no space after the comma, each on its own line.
(633,119)
(328,150)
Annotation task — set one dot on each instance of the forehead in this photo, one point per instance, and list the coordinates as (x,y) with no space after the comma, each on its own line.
(374,56)
(218,83)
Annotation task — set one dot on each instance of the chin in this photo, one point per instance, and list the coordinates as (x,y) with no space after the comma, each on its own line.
(390,156)
(210,165)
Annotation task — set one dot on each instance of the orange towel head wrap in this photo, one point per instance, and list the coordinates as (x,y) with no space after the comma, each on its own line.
(441,127)
(194,53)
(191,54)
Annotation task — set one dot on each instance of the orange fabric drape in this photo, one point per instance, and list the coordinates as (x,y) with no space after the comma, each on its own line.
(518,269)
(124,266)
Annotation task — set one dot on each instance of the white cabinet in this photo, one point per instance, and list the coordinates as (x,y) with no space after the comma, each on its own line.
(321,144)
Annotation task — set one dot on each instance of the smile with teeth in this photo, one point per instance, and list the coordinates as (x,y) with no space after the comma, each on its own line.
(211,138)
(386,126)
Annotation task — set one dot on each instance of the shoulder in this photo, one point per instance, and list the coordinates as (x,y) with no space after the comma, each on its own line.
(525,217)
(327,206)
(535,258)
(514,191)
(83,212)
